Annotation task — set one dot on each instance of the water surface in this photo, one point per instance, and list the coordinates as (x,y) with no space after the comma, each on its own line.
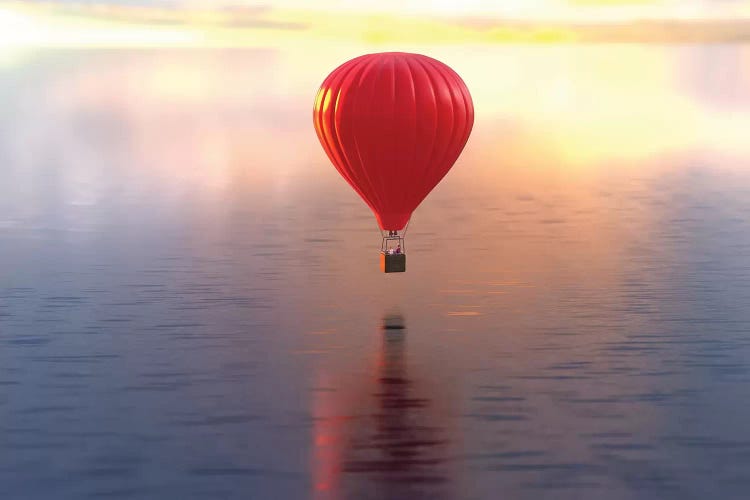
(191,305)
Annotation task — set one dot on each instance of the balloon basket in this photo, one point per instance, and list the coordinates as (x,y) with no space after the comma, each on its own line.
(392,256)
(393,263)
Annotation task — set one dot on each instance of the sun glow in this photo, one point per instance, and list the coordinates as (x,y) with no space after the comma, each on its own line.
(20,28)
(17,28)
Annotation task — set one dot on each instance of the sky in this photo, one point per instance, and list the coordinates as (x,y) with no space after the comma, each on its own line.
(534,9)
(73,23)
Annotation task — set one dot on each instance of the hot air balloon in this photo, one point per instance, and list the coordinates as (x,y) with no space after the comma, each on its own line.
(393,124)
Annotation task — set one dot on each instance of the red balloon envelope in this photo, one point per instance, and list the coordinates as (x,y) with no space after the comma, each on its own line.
(393,124)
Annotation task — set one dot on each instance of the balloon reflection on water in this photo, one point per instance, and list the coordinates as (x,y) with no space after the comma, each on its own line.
(389,446)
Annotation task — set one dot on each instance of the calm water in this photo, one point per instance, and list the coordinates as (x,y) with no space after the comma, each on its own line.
(191,306)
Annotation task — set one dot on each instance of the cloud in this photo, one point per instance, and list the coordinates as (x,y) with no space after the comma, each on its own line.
(167,13)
